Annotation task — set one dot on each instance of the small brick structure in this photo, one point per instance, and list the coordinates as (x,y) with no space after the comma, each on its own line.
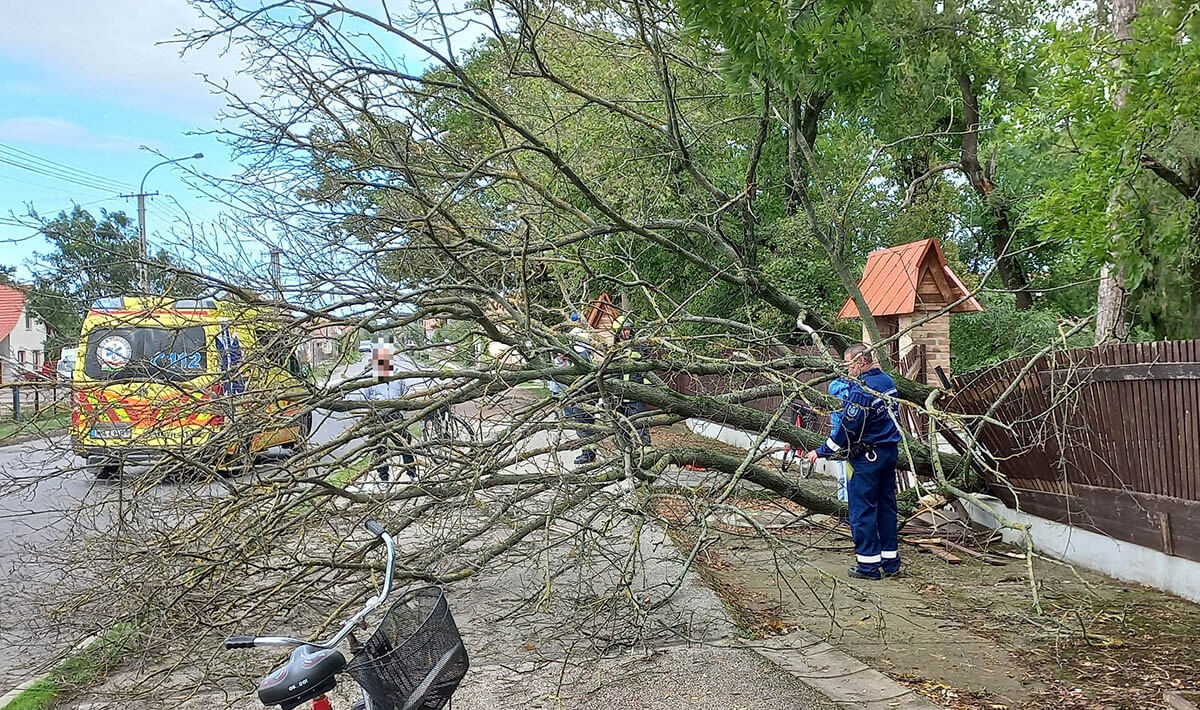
(903,285)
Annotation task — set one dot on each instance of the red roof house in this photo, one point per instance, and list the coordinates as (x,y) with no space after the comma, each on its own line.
(22,335)
(602,313)
(903,286)
(12,305)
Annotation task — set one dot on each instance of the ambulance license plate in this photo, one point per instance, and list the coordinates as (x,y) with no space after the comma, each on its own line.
(115,431)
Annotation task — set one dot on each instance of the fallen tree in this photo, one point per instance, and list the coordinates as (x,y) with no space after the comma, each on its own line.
(488,197)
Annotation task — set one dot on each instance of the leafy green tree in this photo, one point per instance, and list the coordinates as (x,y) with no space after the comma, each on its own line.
(92,258)
(1144,150)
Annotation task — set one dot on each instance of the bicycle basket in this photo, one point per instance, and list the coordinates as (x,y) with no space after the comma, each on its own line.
(415,659)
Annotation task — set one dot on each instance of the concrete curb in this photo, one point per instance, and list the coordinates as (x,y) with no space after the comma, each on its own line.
(843,679)
(15,692)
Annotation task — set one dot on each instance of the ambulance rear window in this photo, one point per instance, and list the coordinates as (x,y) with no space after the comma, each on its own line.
(146,354)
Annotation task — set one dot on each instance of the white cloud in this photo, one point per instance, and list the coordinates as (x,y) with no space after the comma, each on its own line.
(114,48)
(54,131)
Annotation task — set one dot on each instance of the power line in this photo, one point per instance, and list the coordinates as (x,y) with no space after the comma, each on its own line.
(53,164)
(43,185)
(55,175)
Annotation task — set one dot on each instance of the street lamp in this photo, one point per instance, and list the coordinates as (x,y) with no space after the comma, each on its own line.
(143,247)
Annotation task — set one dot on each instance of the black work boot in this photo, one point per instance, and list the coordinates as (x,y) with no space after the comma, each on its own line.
(856,573)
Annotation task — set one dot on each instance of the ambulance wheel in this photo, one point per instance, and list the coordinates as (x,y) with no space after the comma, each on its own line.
(306,424)
(106,471)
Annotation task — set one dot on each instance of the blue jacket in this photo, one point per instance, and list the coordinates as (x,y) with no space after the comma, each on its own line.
(838,388)
(865,422)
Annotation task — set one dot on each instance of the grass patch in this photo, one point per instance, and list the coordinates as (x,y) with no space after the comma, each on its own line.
(49,420)
(345,475)
(82,668)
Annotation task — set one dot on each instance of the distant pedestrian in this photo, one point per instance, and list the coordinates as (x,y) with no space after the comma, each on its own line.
(573,411)
(630,352)
(867,436)
(393,434)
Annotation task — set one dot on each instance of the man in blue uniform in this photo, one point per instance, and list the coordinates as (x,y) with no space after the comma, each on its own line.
(867,436)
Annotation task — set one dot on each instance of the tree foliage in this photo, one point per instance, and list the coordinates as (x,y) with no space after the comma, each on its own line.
(92,258)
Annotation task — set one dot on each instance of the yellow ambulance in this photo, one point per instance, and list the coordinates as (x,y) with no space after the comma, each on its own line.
(200,381)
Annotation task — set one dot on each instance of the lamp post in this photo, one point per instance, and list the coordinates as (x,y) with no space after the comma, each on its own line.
(143,247)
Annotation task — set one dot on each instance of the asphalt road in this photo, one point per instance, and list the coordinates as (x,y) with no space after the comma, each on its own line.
(43,487)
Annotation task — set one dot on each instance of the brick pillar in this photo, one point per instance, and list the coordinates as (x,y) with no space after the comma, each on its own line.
(935,334)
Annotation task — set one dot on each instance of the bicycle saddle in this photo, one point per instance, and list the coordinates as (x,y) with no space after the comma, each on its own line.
(307,674)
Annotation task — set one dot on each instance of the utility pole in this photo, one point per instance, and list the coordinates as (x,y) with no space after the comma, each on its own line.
(277,272)
(143,244)
(143,247)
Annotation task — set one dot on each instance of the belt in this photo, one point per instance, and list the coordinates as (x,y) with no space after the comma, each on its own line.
(868,451)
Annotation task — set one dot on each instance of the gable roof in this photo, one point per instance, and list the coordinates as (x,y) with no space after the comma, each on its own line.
(12,305)
(893,278)
(601,313)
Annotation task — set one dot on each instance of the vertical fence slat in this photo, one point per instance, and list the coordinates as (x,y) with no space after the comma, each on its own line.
(1192,434)
(1172,412)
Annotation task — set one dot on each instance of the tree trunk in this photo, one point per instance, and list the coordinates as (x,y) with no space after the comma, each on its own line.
(1009,268)
(803,117)
(980,178)
(1110,296)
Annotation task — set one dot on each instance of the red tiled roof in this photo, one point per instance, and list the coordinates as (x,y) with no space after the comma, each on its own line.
(12,304)
(891,277)
(601,310)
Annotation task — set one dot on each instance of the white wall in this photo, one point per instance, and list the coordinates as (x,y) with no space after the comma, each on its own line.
(742,439)
(1123,560)
(28,339)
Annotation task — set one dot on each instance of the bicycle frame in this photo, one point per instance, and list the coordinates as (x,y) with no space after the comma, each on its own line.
(322,702)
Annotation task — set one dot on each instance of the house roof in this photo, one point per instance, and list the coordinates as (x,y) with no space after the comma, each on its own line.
(12,305)
(896,280)
(601,312)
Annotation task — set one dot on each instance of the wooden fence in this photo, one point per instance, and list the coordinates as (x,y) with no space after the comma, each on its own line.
(723,384)
(1105,439)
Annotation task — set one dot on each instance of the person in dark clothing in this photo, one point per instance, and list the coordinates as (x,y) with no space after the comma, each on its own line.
(631,351)
(867,436)
(572,411)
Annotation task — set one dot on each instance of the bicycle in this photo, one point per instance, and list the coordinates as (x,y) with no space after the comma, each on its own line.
(443,426)
(414,660)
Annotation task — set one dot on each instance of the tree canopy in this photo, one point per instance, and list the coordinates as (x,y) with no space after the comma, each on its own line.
(91,258)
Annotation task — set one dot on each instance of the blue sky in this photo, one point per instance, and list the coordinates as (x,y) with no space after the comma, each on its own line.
(85,83)
(84,86)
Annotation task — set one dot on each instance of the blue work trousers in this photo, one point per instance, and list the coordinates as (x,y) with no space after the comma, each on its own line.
(631,409)
(572,413)
(872,488)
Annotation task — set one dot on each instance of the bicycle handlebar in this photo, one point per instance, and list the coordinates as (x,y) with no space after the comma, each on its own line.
(252,641)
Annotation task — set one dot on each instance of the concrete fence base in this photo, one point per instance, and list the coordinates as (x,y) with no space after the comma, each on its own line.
(1123,560)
